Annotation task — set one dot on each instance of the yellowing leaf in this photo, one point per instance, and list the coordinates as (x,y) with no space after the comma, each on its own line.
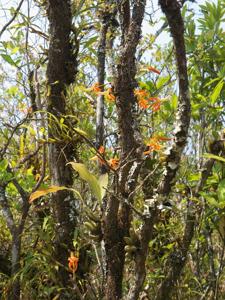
(21,145)
(42,192)
(52,189)
(89,178)
(103,183)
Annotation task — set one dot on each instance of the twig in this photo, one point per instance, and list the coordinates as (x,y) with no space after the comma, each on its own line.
(12,19)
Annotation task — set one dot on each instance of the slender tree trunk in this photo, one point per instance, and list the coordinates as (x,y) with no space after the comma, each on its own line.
(15,266)
(61,71)
(177,259)
(118,215)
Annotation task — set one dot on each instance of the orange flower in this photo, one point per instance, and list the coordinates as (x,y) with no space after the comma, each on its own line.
(109,95)
(113,162)
(153,145)
(96,88)
(153,99)
(101,150)
(156,106)
(73,263)
(140,93)
(156,103)
(152,69)
(143,103)
(162,138)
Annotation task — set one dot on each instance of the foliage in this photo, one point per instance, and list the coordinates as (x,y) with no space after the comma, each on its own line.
(29,130)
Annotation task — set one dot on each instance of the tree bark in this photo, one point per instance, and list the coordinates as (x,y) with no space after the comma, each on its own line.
(171,9)
(61,72)
(117,216)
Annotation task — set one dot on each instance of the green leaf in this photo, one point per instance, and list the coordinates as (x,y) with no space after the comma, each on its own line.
(216,157)
(161,81)
(3,164)
(89,178)
(8,59)
(211,81)
(216,92)
(211,200)
(81,132)
(194,177)
(221,191)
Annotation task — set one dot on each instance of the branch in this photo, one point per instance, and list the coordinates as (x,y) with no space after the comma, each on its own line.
(117,217)
(101,80)
(177,259)
(12,19)
(6,210)
(5,147)
(172,11)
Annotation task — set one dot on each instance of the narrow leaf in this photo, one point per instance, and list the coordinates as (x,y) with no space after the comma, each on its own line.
(216,157)
(42,192)
(103,183)
(80,131)
(221,191)
(8,59)
(216,92)
(3,164)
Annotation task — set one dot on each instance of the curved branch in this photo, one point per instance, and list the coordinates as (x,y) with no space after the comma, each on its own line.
(172,11)
(177,259)
(12,19)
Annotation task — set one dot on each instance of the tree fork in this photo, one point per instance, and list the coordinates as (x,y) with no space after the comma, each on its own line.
(118,213)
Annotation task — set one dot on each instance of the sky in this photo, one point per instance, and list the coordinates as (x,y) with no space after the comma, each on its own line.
(5,5)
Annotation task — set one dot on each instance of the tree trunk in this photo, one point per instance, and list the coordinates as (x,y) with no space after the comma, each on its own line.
(15,266)
(118,215)
(60,72)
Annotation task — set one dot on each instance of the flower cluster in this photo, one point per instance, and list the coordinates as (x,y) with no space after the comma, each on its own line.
(144,101)
(112,162)
(98,89)
(153,144)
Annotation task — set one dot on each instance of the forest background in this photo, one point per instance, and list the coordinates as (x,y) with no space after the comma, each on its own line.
(112,180)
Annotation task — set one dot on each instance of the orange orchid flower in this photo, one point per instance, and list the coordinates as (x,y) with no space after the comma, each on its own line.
(156,106)
(153,145)
(152,69)
(140,93)
(73,262)
(101,150)
(113,162)
(96,88)
(162,138)
(143,103)
(109,95)
(153,99)
(156,103)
